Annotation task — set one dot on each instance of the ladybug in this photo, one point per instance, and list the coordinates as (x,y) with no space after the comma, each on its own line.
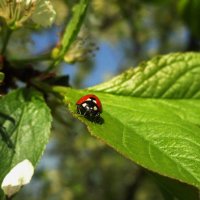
(90,107)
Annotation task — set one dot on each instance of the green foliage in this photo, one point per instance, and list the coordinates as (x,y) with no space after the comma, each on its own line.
(161,132)
(189,10)
(151,113)
(159,2)
(24,115)
(172,188)
(72,29)
(174,76)
(1,77)
(25,126)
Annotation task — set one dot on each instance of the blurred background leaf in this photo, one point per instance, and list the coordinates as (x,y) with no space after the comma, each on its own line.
(72,29)
(1,77)
(189,10)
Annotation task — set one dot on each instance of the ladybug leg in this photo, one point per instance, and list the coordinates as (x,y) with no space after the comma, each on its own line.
(98,119)
(80,110)
(97,116)
(85,113)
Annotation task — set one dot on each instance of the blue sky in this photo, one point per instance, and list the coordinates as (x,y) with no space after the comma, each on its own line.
(107,59)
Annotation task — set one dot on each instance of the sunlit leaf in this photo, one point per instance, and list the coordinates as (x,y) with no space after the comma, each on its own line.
(151,115)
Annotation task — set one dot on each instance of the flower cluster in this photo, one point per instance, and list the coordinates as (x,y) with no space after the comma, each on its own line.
(82,48)
(17,12)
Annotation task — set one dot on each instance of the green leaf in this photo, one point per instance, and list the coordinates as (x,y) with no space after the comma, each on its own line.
(151,115)
(157,2)
(189,10)
(72,28)
(25,123)
(172,188)
(1,77)
(174,76)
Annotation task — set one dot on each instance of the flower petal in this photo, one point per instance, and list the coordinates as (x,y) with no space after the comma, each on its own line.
(18,176)
(44,14)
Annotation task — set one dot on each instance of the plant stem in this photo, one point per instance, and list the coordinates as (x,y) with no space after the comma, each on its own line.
(43,57)
(54,64)
(7,35)
(9,198)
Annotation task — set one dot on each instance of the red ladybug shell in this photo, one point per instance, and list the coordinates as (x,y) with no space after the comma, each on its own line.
(87,97)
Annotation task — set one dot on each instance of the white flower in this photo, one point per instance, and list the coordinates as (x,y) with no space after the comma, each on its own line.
(18,176)
(17,12)
(45,14)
